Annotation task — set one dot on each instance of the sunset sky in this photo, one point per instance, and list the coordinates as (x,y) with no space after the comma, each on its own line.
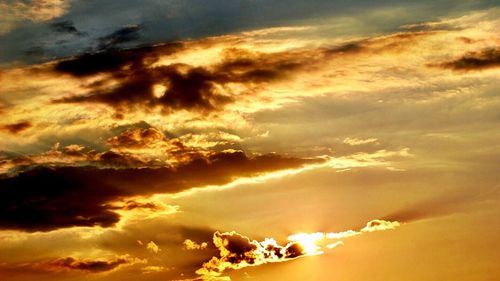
(249,140)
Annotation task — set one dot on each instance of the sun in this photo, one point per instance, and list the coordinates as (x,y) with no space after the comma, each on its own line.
(309,242)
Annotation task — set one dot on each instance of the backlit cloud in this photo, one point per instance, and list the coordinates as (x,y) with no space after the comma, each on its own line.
(87,191)
(237,251)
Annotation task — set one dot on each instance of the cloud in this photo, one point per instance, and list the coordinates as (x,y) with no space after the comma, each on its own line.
(153,144)
(140,81)
(15,12)
(473,61)
(65,26)
(133,205)
(88,265)
(157,77)
(152,247)
(136,138)
(378,225)
(183,87)
(189,244)
(123,35)
(75,156)
(154,269)
(188,88)
(110,61)
(348,48)
(356,141)
(237,251)
(133,147)
(16,128)
(44,198)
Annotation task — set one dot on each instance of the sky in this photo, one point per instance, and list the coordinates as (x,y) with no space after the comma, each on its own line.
(249,140)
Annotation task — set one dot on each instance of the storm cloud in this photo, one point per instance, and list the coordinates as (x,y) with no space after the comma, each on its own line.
(45,198)
(181,86)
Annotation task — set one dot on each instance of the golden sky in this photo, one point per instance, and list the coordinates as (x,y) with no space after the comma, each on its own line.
(311,142)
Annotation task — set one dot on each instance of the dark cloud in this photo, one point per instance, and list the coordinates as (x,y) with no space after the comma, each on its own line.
(185,87)
(123,35)
(192,90)
(92,266)
(238,251)
(240,248)
(66,26)
(44,198)
(110,61)
(16,128)
(176,86)
(349,48)
(484,59)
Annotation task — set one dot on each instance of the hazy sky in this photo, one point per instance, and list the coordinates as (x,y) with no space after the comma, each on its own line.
(260,140)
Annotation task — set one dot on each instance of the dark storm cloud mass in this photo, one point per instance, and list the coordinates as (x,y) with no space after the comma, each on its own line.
(185,86)
(15,128)
(194,90)
(47,198)
(480,60)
